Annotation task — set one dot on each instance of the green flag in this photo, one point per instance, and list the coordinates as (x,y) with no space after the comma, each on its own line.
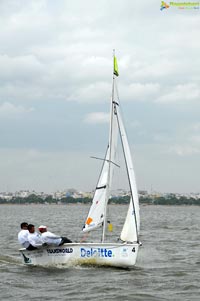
(115,67)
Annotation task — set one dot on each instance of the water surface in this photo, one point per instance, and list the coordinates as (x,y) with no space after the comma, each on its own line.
(168,266)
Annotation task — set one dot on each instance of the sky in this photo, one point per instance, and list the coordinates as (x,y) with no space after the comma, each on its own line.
(55,88)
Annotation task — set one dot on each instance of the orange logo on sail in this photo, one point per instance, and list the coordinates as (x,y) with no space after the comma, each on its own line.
(89,220)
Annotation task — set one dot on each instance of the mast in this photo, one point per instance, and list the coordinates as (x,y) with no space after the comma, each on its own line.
(110,154)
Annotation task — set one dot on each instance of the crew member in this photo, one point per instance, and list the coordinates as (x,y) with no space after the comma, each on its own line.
(51,238)
(34,238)
(23,237)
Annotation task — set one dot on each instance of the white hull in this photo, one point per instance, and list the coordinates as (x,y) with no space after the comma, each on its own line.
(105,254)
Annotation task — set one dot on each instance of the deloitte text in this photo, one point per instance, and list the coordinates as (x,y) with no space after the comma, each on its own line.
(99,252)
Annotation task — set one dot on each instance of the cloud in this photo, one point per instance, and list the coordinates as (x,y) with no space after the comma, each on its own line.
(45,171)
(195,138)
(135,124)
(181,93)
(184,150)
(142,91)
(97,117)
(92,93)
(8,110)
(196,127)
(64,55)
(19,68)
(56,56)
(149,68)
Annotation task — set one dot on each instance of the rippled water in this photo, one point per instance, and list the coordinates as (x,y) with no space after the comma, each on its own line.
(168,266)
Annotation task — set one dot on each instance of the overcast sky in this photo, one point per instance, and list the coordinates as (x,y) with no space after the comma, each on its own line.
(55,88)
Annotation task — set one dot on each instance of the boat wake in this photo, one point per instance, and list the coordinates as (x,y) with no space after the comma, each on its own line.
(6,259)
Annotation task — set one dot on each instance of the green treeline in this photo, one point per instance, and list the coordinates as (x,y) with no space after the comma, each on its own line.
(35,199)
(173,200)
(170,200)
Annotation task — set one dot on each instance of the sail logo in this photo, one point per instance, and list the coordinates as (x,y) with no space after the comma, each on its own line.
(98,252)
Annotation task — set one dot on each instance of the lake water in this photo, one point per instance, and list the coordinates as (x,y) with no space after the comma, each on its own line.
(168,265)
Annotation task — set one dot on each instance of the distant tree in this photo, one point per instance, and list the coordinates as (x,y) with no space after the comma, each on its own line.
(49,199)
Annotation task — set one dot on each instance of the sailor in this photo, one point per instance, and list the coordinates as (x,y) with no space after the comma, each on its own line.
(34,238)
(23,237)
(52,239)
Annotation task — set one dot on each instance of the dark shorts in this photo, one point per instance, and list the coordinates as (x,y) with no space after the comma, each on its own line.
(31,248)
(64,240)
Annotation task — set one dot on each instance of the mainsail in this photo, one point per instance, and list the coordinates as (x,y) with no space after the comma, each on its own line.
(131,226)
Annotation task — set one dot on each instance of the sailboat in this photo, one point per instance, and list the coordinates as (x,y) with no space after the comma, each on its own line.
(122,253)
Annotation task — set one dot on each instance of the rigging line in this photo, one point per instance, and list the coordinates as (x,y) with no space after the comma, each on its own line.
(109,161)
(128,178)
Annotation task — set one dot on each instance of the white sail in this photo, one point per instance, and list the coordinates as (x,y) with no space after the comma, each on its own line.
(131,226)
(96,215)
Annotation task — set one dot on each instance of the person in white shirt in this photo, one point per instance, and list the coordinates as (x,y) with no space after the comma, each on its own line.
(34,238)
(23,237)
(52,239)
(49,237)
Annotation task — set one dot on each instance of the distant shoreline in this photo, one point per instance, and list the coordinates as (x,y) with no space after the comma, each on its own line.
(144,200)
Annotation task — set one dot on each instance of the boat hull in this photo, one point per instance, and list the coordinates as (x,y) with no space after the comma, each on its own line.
(105,254)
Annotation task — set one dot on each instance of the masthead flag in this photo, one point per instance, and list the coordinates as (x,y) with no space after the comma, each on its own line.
(115,67)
